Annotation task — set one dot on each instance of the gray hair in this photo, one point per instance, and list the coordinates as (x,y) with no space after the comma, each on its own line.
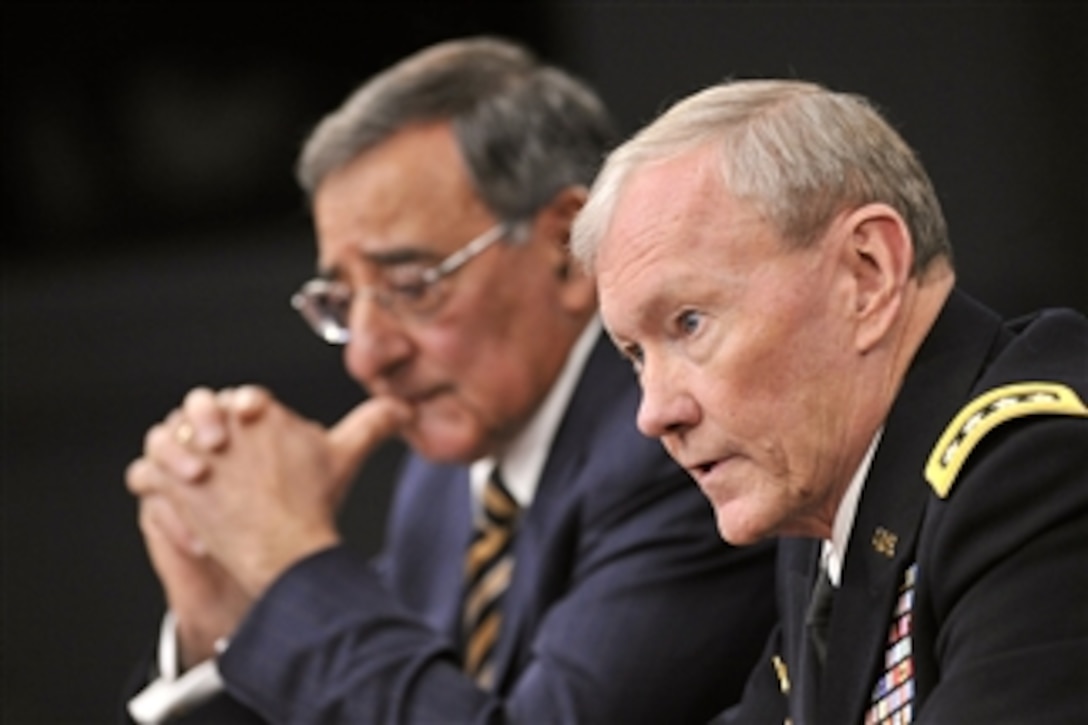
(797,151)
(527,130)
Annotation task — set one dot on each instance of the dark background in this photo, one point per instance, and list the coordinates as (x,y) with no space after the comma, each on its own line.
(153,233)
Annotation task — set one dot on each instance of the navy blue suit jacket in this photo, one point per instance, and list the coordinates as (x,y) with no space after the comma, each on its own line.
(999,613)
(625,606)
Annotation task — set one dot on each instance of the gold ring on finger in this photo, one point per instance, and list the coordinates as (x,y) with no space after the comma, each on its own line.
(184,433)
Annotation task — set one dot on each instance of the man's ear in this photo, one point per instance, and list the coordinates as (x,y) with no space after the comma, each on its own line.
(554,224)
(879,254)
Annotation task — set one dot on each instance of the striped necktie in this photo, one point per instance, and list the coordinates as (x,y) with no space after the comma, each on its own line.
(488,567)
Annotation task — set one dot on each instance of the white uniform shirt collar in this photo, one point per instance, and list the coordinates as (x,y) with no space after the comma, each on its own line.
(523,461)
(834,550)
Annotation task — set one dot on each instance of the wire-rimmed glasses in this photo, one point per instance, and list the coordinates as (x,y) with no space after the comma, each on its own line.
(325,304)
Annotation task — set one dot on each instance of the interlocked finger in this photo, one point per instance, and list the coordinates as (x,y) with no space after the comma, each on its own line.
(173,445)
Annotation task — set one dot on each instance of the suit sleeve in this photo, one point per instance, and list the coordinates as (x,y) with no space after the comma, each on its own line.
(1010,580)
(661,622)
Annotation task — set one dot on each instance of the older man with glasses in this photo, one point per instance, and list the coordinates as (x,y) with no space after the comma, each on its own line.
(543,561)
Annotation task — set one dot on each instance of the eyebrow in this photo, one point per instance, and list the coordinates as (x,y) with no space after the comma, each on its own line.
(394,257)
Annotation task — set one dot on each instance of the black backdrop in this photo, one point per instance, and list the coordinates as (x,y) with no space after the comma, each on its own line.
(152,232)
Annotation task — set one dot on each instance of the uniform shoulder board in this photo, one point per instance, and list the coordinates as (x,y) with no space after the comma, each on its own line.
(985,413)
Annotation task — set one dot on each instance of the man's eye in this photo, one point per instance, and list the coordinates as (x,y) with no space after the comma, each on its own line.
(409,291)
(406,282)
(333,296)
(689,321)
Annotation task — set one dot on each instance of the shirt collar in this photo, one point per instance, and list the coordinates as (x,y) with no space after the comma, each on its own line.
(524,459)
(834,549)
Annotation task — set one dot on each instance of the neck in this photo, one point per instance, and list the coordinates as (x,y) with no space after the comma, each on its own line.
(923,299)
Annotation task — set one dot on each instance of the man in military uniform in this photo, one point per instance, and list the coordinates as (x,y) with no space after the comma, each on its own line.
(773,260)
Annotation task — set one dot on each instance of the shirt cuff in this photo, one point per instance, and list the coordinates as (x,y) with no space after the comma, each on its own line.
(171,694)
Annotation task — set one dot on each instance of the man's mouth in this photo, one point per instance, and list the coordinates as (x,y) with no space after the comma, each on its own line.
(702,469)
(412,396)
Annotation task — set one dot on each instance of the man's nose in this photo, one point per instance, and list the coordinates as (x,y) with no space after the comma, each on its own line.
(666,406)
(378,340)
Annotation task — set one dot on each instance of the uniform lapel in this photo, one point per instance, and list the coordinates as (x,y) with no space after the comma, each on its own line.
(882,544)
(880,549)
(798,564)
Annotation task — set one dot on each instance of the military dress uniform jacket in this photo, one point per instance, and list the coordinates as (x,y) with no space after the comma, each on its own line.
(625,605)
(964,592)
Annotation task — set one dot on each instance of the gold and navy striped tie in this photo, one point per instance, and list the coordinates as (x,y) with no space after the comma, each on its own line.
(488,567)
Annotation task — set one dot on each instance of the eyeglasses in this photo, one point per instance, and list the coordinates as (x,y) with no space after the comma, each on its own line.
(325,304)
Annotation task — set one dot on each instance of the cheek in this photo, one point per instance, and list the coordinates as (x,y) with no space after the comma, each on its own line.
(760,401)
(455,348)
(474,365)
(787,358)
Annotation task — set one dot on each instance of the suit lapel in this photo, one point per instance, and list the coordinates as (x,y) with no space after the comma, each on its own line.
(449,562)
(535,558)
(602,384)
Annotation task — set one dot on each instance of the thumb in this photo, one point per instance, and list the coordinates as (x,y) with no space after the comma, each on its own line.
(359,432)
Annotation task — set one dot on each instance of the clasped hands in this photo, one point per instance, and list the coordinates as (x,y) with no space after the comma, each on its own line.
(234,488)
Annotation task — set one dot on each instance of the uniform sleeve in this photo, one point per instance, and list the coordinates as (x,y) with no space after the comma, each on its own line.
(764,701)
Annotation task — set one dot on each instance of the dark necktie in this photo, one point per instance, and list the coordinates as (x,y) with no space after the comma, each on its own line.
(819,615)
(488,567)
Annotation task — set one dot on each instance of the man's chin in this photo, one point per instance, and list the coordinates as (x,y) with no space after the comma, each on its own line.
(441,444)
(736,528)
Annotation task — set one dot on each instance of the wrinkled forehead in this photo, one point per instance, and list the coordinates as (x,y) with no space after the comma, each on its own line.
(665,208)
(418,174)
(677,186)
(411,195)
(653,215)
(677,234)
